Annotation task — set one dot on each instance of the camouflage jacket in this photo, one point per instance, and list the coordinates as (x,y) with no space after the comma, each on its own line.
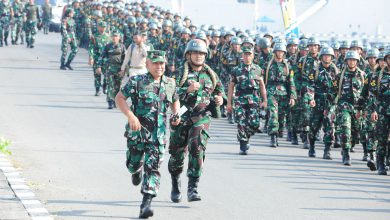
(279,79)
(32,12)
(349,88)
(380,92)
(113,56)
(68,28)
(97,44)
(150,102)
(18,9)
(247,83)
(264,59)
(304,78)
(46,12)
(325,85)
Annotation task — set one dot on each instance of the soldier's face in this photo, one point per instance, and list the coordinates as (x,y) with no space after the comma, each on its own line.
(197,58)
(382,63)
(372,61)
(279,54)
(292,48)
(157,69)
(343,51)
(313,49)
(388,60)
(115,39)
(352,63)
(236,47)
(247,58)
(326,59)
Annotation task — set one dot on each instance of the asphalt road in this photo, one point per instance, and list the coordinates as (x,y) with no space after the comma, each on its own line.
(72,153)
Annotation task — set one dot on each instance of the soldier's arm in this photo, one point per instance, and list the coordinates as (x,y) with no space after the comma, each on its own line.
(291,86)
(128,91)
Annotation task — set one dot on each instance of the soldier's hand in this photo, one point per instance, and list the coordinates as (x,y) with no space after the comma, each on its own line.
(357,115)
(99,70)
(218,100)
(325,113)
(90,62)
(193,87)
(134,123)
(263,105)
(175,119)
(229,107)
(292,102)
(312,103)
(122,73)
(69,40)
(374,116)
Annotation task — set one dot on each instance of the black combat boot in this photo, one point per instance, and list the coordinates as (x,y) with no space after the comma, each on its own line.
(280,134)
(289,135)
(312,151)
(294,138)
(326,155)
(352,149)
(6,42)
(346,157)
(192,192)
(175,192)
(97,93)
(104,88)
(230,118)
(136,178)
(146,207)
(371,162)
(273,142)
(110,104)
(243,148)
(67,65)
(305,140)
(13,42)
(62,67)
(381,165)
(337,142)
(365,153)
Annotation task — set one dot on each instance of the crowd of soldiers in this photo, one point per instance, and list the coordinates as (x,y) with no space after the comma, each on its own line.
(299,84)
(23,19)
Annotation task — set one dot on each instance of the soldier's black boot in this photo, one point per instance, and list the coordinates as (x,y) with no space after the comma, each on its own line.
(110,104)
(371,162)
(305,140)
(289,135)
(136,178)
(6,42)
(346,157)
(280,134)
(294,138)
(365,153)
(326,155)
(381,165)
(230,118)
(192,192)
(273,142)
(243,148)
(97,93)
(67,65)
(13,42)
(312,151)
(62,67)
(352,149)
(104,88)
(175,192)
(337,142)
(146,207)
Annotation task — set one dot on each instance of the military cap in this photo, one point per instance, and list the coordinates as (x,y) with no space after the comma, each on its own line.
(247,50)
(116,33)
(156,56)
(102,24)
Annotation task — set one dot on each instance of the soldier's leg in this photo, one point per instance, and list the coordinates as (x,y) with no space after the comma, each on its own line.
(305,122)
(134,156)
(97,80)
(6,32)
(33,33)
(344,130)
(240,115)
(355,130)
(177,148)
(1,32)
(13,31)
(64,52)
(154,156)
(111,91)
(73,52)
(283,107)
(316,120)
(28,33)
(328,127)
(273,121)
(364,138)
(295,116)
(253,121)
(383,130)
(117,86)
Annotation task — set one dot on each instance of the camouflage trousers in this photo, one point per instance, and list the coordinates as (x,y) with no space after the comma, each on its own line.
(4,29)
(149,157)
(114,85)
(383,134)
(318,120)
(64,50)
(248,119)
(31,31)
(99,77)
(300,116)
(277,109)
(45,23)
(347,127)
(17,30)
(188,137)
(367,134)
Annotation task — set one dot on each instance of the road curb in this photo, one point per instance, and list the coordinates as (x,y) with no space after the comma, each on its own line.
(30,202)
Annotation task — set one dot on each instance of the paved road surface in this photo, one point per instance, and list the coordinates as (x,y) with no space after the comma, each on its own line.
(72,152)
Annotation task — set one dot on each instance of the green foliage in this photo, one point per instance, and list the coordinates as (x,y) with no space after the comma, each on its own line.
(4,143)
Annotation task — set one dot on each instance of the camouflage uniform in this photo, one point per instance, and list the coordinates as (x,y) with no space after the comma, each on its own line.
(96,46)
(17,30)
(145,148)
(246,79)
(350,85)
(46,17)
(68,38)
(112,56)
(32,14)
(380,85)
(5,19)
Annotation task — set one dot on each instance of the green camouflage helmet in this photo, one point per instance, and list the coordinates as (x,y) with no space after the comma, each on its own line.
(351,54)
(381,56)
(153,26)
(186,31)
(372,53)
(236,40)
(268,35)
(278,40)
(303,44)
(344,44)
(327,51)
(229,33)
(196,45)
(216,34)
(167,23)
(248,40)
(356,43)
(264,43)
(387,53)
(335,45)
(292,41)
(201,35)
(313,41)
(280,47)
